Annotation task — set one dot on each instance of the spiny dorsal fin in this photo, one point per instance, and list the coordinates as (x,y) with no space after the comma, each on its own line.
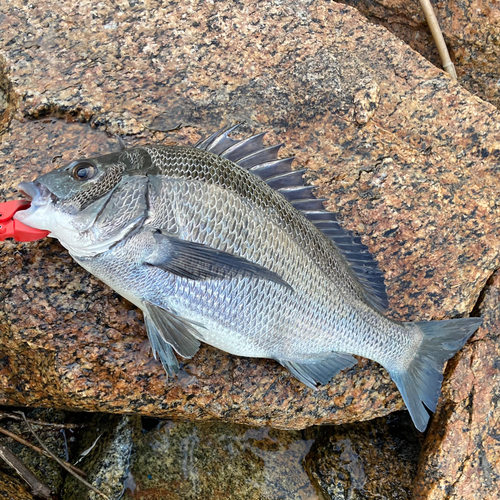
(219,141)
(263,161)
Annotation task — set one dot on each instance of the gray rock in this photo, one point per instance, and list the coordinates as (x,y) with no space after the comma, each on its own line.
(104,453)
(188,461)
(366,461)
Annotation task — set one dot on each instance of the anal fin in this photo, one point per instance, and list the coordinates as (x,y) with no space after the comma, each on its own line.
(321,371)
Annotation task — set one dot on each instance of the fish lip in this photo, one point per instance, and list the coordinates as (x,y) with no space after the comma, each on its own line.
(38,193)
(29,189)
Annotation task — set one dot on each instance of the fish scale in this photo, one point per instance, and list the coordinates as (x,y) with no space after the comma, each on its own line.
(222,243)
(301,230)
(316,321)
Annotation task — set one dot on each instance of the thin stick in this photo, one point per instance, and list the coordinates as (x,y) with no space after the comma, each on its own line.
(4,414)
(37,488)
(60,462)
(432,21)
(19,439)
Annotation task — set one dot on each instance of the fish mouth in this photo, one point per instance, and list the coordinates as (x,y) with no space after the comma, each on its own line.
(36,192)
(41,204)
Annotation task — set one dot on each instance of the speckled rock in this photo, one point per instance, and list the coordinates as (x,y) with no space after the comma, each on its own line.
(187,461)
(369,460)
(12,488)
(407,158)
(104,452)
(471,29)
(461,454)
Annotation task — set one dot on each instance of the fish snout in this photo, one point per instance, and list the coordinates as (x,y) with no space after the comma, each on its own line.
(37,192)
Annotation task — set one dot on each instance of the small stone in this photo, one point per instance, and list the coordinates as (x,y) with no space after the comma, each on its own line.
(366,101)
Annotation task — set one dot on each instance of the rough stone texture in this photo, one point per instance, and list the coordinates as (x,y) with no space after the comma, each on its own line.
(471,29)
(407,158)
(376,459)
(12,488)
(187,461)
(406,20)
(104,452)
(461,455)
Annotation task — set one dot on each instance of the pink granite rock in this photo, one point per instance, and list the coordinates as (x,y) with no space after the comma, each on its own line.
(471,29)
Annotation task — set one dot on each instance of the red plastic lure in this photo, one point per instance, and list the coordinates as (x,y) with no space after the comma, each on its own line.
(10,228)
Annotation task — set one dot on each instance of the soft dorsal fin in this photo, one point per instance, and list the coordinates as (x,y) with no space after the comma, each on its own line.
(263,161)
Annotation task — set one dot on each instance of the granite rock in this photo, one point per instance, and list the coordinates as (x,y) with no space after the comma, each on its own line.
(471,29)
(367,460)
(407,158)
(13,488)
(104,449)
(461,453)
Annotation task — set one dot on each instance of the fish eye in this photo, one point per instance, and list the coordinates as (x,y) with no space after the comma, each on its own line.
(83,171)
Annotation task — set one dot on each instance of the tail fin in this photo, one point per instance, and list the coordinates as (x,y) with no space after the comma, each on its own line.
(421,382)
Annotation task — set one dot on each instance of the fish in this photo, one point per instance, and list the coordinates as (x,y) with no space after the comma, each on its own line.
(223,243)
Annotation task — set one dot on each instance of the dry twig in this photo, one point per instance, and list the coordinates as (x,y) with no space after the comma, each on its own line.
(37,487)
(4,414)
(59,461)
(432,21)
(19,439)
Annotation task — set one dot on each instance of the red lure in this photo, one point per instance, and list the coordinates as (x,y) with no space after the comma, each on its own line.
(10,228)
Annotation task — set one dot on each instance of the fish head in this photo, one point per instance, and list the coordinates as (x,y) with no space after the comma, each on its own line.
(70,200)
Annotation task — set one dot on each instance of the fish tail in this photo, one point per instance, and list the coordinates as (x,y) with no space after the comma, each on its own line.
(420,383)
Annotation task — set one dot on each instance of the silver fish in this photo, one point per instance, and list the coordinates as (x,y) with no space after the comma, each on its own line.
(222,243)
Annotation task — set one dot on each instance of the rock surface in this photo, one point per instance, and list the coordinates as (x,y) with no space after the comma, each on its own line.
(104,449)
(471,29)
(13,488)
(407,158)
(368,460)
(220,462)
(461,455)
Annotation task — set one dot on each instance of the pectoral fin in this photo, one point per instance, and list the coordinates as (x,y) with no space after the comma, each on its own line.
(321,371)
(166,327)
(196,261)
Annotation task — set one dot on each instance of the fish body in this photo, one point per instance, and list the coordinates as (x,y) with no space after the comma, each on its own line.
(221,243)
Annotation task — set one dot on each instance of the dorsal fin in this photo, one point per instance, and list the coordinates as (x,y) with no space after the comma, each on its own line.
(263,161)
(219,141)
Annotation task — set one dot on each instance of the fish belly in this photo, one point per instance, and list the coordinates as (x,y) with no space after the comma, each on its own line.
(254,317)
